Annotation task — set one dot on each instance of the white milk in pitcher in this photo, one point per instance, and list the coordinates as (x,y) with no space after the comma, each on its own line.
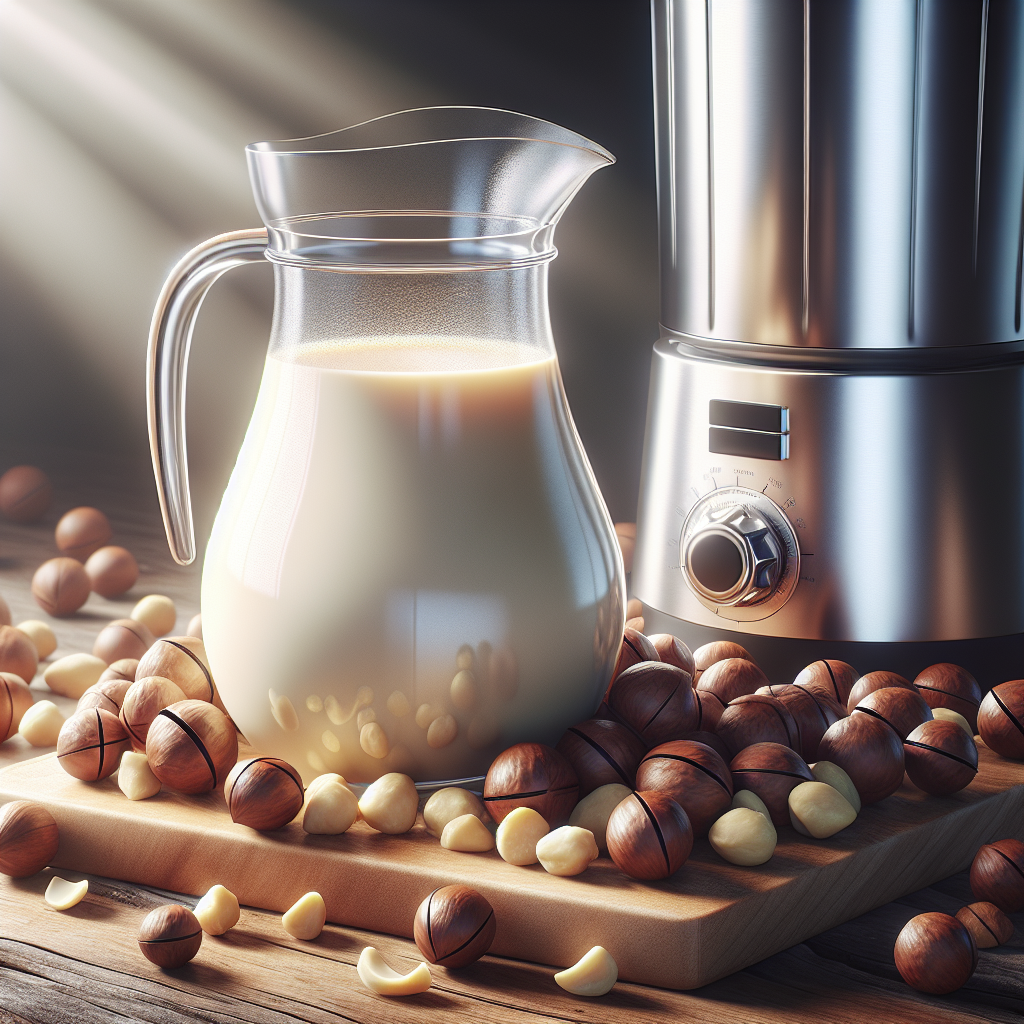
(407,572)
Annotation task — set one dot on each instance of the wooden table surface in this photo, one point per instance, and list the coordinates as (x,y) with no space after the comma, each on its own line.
(85,965)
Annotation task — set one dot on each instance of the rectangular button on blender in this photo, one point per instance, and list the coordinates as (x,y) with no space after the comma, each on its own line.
(748,416)
(751,444)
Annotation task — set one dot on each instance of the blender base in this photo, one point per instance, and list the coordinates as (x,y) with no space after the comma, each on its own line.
(991,660)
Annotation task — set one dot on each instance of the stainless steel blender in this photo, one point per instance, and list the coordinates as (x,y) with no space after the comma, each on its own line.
(835,433)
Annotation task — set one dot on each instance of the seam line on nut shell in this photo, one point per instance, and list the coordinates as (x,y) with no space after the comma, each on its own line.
(946,693)
(171,938)
(661,707)
(448,956)
(430,932)
(981,921)
(939,750)
(524,796)
(657,829)
(202,667)
(194,737)
(766,771)
(1006,711)
(611,763)
(832,676)
(1009,860)
(99,726)
(679,757)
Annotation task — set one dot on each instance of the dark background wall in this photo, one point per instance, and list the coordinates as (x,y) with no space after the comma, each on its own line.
(122,125)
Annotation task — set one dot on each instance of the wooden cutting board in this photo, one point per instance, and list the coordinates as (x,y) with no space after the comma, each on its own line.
(709,920)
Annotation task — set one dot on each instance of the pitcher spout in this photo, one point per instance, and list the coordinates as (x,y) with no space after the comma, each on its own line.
(444,188)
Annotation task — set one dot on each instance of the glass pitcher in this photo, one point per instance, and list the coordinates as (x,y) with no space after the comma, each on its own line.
(412,566)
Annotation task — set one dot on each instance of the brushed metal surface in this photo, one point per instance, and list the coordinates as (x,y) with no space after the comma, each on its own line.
(903,490)
(841,173)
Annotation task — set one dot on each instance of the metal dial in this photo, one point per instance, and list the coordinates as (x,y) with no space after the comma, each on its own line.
(738,554)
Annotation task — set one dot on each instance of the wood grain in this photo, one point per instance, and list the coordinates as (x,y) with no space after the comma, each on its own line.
(707,921)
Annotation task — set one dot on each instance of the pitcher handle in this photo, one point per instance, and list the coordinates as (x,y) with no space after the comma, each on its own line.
(170,338)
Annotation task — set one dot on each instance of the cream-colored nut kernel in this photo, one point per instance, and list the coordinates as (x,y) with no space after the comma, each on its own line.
(41,723)
(425,714)
(335,712)
(365,717)
(568,850)
(73,674)
(819,810)
(594,810)
(135,778)
(378,977)
(447,804)
(41,635)
(834,776)
(331,808)
(463,690)
(748,798)
(314,703)
(306,918)
(322,780)
(374,740)
(594,975)
(63,895)
(217,911)
(743,836)
(464,657)
(157,613)
(283,711)
(943,714)
(390,804)
(398,705)
(442,731)
(518,834)
(467,834)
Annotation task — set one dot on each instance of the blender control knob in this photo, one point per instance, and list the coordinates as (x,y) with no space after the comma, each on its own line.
(732,555)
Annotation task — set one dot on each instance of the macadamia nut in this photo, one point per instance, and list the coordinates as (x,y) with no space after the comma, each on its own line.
(594,975)
(467,834)
(442,731)
(306,918)
(218,911)
(518,835)
(568,850)
(331,808)
(135,778)
(834,776)
(425,714)
(63,895)
(390,804)
(373,739)
(157,613)
(743,836)
(448,804)
(817,809)
(593,811)
(41,635)
(748,798)
(378,977)
(942,714)
(41,723)
(73,674)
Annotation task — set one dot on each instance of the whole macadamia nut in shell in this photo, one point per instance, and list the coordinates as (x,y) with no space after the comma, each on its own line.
(875,681)
(1001,719)
(82,531)
(900,708)
(112,571)
(732,678)
(950,686)
(935,953)
(25,494)
(170,936)
(191,746)
(182,659)
(940,758)
(770,770)
(833,679)
(28,838)
(649,836)
(531,775)
(997,875)
(869,751)
(90,744)
(601,752)
(694,775)
(264,793)
(18,654)
(122,638)
(15,699)
(655,700)
(60,586)
(454,926)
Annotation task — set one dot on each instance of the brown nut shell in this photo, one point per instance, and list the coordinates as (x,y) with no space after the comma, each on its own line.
(25,494)
(718,650)
(122,638)
(112,571)
(60,586)
(28,838)
(531,775)
(170,936)
(813,713)
(997,875)
(454,926)
(264,793)
(107,694)
(771,771)
(82,531)
(940,757)
(709,739)
(711,708)
(875,681)
(191,746)
(951,686)
(649,836)
(90,744)
(143,701)
(988,925)
(832,679)
(15,699)
(18,655)
(901,709)
(935,953)
(869,751)
(694,775)
(732,678)
(756,718)
(635,648)
(182,659)
(655,700)
(123,668)
(1001,719)
(673,651)
(601,752)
